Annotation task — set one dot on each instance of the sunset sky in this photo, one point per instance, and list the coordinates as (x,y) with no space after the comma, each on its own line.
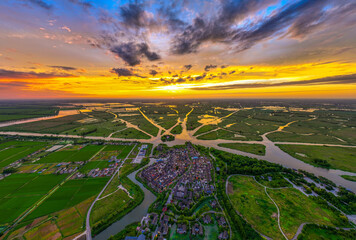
(177,49)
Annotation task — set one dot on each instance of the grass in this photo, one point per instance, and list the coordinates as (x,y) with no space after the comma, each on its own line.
(296,208)
(102,129)
(123,154)
(69,194)
(221,134)
(205,129)
(336,157)
(258,149)
(350,178)
(20,191)
(131,133)
(251,201)
(177,129)
(314,232)
(142,123)
(70,155)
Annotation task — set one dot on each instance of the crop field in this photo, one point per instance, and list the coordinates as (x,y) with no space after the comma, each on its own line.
(249,198)
(125,151)
(93,165)
(16,150)
(20,191)
(102,129)
(323,156)
(68,195)
(258,149)
(56,125)
(83,154)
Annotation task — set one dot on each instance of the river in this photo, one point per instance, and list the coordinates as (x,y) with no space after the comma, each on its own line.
(133,216)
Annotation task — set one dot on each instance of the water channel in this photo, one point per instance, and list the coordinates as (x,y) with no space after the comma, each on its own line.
(133,216)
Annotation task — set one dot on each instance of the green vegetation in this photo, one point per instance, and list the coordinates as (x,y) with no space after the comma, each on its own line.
(20,191)
(177,129)
(315,232)
(69,194)
(221,134)
(93,165)
(350,178)
(258,149)
(205,129)
(15,150)
(131,133)
(167,138)
(116,203)
(129,230)
(10,112)
(142,123)
(323,156)
(250,199)
(71,155)
(56,125)
(296,208)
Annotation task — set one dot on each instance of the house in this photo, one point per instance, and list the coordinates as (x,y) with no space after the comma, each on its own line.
(224,235)
(207,219)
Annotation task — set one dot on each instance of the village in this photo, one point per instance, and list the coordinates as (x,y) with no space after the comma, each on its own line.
(190,208)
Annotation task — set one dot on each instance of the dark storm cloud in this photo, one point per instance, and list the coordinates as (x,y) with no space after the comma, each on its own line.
(188,67)
(41,3)
(208,67)
(132,52)
(65,68)
(170,13)
(10,74)
(296,19)
(84,4)
(134,16)
(200,77)
(341,79)
(122,72)
(153,72)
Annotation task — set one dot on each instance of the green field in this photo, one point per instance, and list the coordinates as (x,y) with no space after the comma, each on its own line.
(10,112)
(16,150)
(323,156)
(296,208)
(20,191)
(249,198)
(93,165)
(177,129)
(69,194)
(258,149)
(71,155)
(205,129)
(131,133)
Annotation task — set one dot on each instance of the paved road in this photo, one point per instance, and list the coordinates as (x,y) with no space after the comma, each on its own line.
(87,221)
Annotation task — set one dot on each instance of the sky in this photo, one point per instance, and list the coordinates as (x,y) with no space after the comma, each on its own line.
(177,49)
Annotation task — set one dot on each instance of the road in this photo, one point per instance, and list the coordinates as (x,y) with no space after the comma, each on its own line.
(87,221)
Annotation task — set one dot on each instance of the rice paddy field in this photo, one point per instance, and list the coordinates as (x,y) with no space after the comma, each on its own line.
(12,151)
(71,155)
(20,191)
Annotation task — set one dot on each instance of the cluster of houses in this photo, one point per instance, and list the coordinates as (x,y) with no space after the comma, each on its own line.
(162,174)
(67,167)
(105,172)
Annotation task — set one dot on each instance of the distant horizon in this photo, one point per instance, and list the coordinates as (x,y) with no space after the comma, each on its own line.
(177,49)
